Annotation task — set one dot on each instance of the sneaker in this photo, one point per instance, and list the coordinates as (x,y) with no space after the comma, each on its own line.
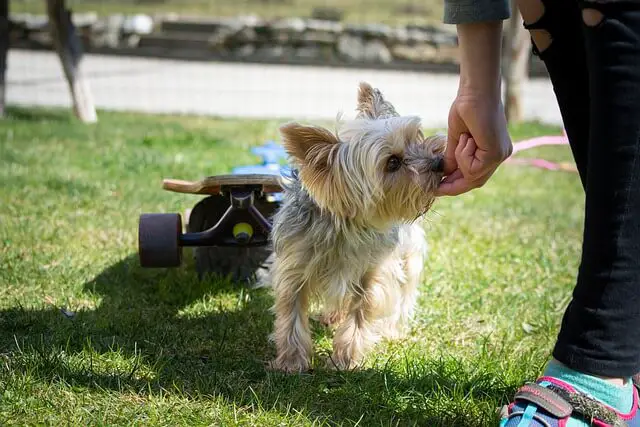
(549,402)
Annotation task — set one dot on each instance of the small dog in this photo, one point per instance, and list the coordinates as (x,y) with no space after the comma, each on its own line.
(346,232)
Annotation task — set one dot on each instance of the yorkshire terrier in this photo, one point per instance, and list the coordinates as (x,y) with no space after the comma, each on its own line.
(346,232)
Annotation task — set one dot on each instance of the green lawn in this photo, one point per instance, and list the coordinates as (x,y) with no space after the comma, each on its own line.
(159,347)
(354,11)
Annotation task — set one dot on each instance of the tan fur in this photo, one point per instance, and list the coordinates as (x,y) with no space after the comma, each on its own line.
(346,233)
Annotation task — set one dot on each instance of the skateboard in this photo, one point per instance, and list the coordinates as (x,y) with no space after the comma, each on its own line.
(267,183)
(229,228)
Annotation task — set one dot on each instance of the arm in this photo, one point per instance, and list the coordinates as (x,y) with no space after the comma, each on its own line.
(480,55)
(479,26)
(478,140)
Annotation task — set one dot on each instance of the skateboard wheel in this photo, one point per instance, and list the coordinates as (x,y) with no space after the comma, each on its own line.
(158,240)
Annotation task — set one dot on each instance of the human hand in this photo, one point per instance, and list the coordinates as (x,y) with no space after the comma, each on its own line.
(477,142)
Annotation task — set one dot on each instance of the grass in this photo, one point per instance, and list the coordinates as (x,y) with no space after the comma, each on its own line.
(88,337)
(360,11)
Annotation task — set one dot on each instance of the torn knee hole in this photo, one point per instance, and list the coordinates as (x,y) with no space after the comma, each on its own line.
(592,17)
(531,10)
(535,20)
(541,38)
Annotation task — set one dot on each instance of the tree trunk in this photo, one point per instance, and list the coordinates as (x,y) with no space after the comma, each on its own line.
(69,49)
(516,59)
(4,48)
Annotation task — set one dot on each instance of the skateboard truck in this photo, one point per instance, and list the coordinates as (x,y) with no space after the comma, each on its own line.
(241,224)
(240,200)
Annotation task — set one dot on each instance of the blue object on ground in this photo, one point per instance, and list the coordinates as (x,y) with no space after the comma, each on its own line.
(270,152)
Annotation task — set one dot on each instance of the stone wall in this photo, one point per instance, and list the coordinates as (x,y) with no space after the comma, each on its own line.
(314,39)
(252,39)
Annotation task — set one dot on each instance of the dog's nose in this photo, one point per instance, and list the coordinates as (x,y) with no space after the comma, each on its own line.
(438,164)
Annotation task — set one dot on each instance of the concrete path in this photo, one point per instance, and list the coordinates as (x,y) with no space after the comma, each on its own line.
(243,90)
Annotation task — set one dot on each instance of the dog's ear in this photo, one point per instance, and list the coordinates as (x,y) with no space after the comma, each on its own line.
(310,146)
(316,151)
(372,105)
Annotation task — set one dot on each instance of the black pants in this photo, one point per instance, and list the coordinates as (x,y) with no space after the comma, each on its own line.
(595,72)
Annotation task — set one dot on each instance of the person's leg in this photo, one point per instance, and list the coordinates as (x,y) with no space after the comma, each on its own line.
(556,34)
(599,340)
(600,332)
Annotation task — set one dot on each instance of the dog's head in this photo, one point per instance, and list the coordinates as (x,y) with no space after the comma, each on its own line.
(378,169)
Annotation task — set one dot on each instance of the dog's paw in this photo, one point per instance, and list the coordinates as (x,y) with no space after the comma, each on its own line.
(341,361)
(290,365)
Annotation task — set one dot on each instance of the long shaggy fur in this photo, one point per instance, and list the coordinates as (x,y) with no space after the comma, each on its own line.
(346,233)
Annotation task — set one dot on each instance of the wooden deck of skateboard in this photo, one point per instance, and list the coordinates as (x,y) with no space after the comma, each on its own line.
(213,185)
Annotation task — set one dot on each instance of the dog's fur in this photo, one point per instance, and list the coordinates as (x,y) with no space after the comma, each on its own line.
(346,230)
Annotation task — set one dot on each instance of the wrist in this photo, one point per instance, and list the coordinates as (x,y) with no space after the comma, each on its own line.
(480,46)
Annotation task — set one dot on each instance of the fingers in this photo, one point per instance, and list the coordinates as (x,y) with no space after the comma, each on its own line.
(454,188)
(462,144)
(469,150)
(449,157)
(456,127)
(465,178)
(457,174)
(472,161)
(456,184)
(465,154)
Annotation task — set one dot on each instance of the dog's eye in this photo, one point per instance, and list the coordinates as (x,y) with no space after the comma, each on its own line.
(394,163)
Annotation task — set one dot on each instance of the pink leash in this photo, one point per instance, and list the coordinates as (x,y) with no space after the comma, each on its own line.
(542,163)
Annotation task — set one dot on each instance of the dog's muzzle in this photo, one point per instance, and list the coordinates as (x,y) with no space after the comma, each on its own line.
(438,164)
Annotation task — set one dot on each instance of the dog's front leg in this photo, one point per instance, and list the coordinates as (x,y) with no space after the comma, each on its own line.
(357,333)
(292,335)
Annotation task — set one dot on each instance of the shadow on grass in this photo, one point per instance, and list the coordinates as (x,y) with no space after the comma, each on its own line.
(39,114)
(162,323)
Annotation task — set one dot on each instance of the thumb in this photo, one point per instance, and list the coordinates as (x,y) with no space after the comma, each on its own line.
(456,127)
(449,158)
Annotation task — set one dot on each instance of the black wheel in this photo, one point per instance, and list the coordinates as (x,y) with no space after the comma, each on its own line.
(242,264)
(158,240)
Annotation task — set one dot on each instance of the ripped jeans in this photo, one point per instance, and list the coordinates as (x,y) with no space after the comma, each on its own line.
(592,53)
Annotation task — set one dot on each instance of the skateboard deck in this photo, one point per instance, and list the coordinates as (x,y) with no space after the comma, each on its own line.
(213,184)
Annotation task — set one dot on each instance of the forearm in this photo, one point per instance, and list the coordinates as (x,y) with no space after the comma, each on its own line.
(479,25)
(480,55)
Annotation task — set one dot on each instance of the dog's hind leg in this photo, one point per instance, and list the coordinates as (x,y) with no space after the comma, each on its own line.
(292,334)
(414,257)
(413,266)
(414,252)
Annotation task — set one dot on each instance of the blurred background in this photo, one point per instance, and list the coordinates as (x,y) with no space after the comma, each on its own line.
(250,58)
